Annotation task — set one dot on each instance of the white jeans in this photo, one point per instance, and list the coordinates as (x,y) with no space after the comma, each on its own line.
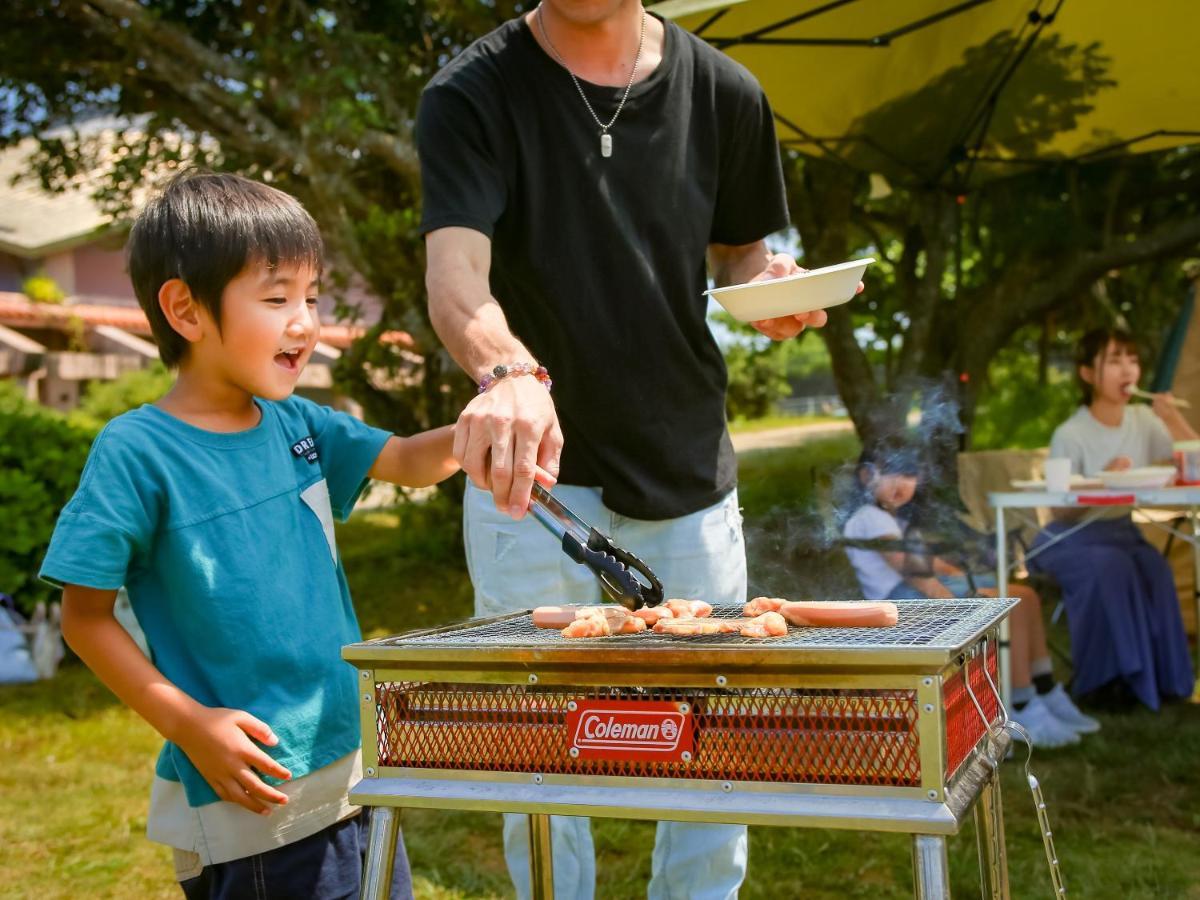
(518,565)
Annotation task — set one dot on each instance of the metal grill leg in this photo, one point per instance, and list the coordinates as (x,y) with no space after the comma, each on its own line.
(989,831)
(381,853)
(541,862)
(931,876)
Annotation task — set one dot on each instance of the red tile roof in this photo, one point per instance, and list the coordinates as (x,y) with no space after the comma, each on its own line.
(16,311)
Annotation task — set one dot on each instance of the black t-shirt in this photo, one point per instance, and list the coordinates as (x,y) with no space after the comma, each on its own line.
(599,263)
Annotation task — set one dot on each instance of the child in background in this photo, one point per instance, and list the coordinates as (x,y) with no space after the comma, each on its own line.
(214,507)
(1122,607)
(887,479)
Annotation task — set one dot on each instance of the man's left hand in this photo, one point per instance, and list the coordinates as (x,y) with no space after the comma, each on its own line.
(784,327)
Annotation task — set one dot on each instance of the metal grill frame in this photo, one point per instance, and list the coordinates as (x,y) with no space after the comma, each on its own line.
(831,661)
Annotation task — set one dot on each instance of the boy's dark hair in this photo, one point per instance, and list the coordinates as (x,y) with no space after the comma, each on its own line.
(204,229)
(1094,344)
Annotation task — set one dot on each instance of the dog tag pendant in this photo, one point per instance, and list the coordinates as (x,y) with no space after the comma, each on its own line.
(606,144)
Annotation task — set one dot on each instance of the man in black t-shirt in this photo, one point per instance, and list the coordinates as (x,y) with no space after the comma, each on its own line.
(580,165)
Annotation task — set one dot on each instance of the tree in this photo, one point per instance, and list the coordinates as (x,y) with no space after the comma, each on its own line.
(317,98)
(961,275)
(970,253)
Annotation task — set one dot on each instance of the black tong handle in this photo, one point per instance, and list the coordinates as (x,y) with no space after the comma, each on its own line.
(615,568)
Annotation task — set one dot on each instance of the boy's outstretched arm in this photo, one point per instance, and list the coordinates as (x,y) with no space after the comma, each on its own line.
(217,741)
(423,459)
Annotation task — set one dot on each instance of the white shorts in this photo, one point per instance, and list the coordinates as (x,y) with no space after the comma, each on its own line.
(519,564)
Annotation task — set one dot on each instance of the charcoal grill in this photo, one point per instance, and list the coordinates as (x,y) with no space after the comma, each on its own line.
(858,728)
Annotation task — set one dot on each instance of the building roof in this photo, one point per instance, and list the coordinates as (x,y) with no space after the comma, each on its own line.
(34,222)
(16,311)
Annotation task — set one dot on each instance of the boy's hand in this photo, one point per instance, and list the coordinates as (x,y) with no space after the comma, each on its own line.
(218,742)
(1119,464)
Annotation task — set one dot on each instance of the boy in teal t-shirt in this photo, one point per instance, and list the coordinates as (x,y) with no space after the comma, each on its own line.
(214,507)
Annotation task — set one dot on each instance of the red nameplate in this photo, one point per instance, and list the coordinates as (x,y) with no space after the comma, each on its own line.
(1105,499)
(630,729)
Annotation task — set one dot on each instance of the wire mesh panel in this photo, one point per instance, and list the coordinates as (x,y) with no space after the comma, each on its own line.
(818,736)
(964,725)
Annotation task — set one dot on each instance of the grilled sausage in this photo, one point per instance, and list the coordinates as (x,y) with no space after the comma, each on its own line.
(554,616)
(840,614)
(562,616)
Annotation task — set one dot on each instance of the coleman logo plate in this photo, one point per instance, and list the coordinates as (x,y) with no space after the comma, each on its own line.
(631,730)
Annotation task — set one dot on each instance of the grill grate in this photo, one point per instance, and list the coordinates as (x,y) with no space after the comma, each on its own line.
(931,624)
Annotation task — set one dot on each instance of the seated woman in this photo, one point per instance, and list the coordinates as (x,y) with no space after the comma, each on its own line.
(887,479)
(1122,608)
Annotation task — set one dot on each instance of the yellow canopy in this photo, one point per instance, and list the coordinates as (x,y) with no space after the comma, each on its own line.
(946,91)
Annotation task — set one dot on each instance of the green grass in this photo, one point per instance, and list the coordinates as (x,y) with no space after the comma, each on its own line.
(769,423)
(1124,805)
(790,534)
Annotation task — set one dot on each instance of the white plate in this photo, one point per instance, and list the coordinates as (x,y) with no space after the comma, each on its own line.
(1145,477)
(815,289)
(1078,483)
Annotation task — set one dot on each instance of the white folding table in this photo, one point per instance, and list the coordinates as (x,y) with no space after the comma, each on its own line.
(1096,502)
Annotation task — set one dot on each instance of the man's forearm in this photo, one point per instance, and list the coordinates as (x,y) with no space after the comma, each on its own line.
(471,323)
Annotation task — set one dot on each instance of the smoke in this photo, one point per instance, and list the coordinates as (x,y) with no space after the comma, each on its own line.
(796,552)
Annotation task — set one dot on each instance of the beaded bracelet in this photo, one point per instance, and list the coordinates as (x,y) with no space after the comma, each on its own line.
(520,368)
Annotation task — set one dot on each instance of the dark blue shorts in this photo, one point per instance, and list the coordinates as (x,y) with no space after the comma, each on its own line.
(324,866)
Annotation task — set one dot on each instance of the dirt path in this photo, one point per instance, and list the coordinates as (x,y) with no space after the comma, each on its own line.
(789,436)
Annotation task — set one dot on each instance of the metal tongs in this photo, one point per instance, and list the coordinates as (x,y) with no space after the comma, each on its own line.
(617,568)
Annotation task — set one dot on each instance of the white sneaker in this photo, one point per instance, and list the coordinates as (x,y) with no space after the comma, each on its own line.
(1059,702)
(1044,729)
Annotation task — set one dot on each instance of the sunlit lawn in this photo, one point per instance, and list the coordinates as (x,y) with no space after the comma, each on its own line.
(1125,805)
(769,423)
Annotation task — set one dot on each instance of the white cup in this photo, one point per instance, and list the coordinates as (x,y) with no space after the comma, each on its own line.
(1058,475)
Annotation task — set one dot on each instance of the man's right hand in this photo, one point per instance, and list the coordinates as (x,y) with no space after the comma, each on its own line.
(219,743)
(504,435)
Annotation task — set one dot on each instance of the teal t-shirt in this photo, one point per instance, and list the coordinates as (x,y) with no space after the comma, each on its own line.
(225,545)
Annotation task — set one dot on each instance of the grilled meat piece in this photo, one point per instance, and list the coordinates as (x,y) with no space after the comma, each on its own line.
(768,625)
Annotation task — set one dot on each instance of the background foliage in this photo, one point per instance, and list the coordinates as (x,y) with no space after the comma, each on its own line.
(104,400)
(319,98)
(41,457)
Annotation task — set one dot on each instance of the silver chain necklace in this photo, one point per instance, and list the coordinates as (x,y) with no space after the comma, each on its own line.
(606,142)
